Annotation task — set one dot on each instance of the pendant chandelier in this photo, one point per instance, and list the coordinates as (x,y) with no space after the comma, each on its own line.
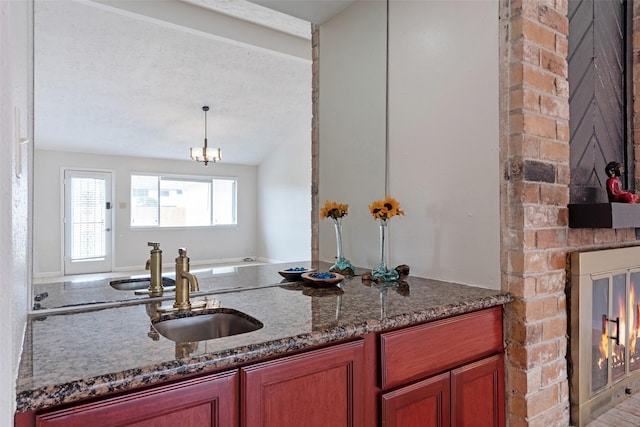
(205,154)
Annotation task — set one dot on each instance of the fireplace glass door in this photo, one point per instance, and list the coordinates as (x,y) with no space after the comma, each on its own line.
(634,322)
(615,328)
(604,329)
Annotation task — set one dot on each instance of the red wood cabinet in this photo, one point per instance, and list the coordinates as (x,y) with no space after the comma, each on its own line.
(419,351)
(465,391)
(478,393)
(320,388)
(444,373)
(426,403)
(470,396)
(200,402)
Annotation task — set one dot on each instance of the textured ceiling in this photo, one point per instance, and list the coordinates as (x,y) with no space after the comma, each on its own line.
(114,81)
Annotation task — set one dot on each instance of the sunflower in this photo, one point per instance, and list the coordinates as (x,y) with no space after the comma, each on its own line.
(385,209)
(334,210)
(392,206)
(377,209)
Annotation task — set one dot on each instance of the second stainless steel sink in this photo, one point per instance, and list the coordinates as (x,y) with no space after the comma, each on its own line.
(139,283)
(206,325)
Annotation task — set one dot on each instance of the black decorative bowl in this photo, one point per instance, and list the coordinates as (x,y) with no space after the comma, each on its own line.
(293,275)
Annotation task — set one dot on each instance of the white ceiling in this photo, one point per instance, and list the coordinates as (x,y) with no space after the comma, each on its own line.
(131,77)
(317,11)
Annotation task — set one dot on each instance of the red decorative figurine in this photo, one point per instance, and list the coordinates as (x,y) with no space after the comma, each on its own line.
(616,194)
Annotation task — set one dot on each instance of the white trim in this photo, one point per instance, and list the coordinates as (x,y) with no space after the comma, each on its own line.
(47,274)
(112,225)
(208,179)
(185,176)
(168,266)
(181,227)
(268,260)
(62,227)
(61,194)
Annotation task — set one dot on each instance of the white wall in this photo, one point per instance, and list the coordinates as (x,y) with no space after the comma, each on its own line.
(352,127)
(443,136)
(284,201)
(130,245)
(15,57)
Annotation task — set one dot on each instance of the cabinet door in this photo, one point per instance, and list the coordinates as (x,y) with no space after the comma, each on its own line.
(319,388)
(207,401)
(423,404)
(478,393)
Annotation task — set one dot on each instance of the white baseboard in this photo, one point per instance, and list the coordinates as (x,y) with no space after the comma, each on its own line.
(168,266)
(268,260)
(47,274)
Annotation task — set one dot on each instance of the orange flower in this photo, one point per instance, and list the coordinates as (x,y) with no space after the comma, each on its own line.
(385,209)
(334,210)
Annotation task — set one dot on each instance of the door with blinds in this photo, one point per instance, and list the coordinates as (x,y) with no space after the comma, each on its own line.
(87,222)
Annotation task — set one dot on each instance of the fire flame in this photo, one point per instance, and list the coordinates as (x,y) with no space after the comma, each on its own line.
(627,312)
(604,345)
(622,326)
(618,355)
(633,319)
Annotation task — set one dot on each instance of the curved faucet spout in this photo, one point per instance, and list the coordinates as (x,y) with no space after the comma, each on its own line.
(194,286)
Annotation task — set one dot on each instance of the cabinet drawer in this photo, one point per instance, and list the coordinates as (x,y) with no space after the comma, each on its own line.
(419,351)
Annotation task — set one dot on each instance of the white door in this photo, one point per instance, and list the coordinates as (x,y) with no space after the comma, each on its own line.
(87,222)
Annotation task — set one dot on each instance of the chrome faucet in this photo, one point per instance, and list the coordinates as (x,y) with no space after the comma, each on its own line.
(185,281)
(154,263)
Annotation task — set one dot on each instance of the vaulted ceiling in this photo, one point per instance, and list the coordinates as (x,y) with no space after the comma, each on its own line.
(130,78)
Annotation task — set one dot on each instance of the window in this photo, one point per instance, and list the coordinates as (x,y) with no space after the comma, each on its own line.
(176,201)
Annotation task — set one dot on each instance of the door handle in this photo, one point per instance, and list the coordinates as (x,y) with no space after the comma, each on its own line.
(107,229)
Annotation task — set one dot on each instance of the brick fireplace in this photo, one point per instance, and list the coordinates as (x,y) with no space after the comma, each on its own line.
(536,238)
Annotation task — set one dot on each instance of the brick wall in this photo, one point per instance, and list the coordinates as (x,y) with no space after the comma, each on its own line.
(536,239)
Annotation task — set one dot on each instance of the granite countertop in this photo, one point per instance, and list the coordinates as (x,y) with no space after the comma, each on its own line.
(78,293)
(69,356)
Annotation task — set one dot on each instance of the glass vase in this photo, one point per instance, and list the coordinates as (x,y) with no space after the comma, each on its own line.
(383,272)
(342,265)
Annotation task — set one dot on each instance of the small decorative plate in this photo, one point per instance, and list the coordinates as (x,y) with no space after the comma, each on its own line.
(294,273)
(322,280)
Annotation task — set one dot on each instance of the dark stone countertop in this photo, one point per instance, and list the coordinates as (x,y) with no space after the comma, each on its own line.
(83,353)
(77,294)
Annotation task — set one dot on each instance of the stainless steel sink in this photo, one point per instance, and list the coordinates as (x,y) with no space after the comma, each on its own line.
(206,325)
(138,284)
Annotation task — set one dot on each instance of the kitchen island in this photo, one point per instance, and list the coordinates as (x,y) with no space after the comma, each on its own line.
(96,352)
